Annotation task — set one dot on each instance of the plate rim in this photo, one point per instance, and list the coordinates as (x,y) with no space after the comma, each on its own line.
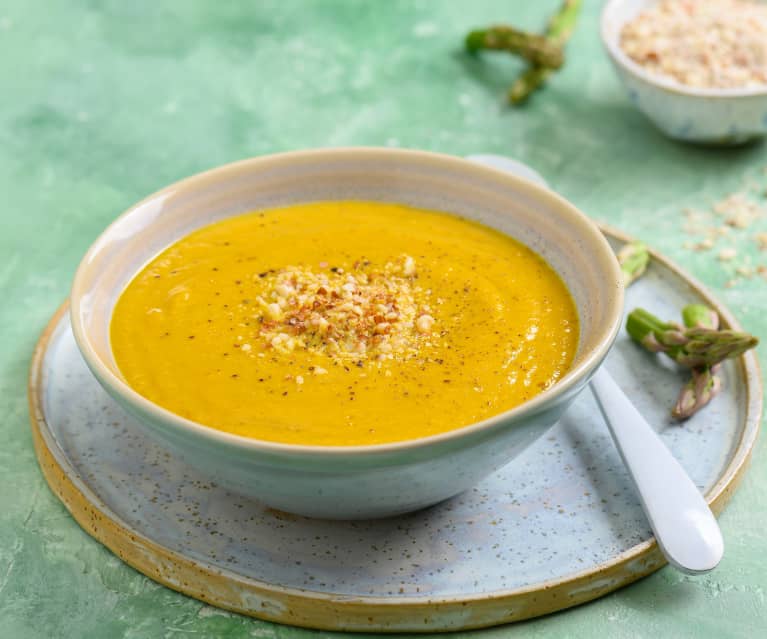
(327,611)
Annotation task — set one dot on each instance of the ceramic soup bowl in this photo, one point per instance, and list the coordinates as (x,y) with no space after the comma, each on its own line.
(705,116)
(353,481)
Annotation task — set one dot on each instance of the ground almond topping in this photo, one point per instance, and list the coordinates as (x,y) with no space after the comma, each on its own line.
(707,44)
(363,313)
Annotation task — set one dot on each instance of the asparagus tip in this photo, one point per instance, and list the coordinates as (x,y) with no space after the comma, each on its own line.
(474,40)
(702,387)
(633,259)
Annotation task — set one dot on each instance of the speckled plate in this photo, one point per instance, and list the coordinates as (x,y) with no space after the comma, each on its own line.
(558,526)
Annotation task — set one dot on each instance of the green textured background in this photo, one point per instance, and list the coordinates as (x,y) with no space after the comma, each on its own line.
(104,102)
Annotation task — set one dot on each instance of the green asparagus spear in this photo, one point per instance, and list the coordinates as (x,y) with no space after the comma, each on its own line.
(526,84)
(688,346)
(559,29)
(696,393)
(536,49)
(563,21)
(705,383)
(700,315)
(633,258)
(707,347)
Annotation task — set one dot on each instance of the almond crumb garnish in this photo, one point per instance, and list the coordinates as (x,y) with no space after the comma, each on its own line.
(704,245)
(360,313)
(424,323)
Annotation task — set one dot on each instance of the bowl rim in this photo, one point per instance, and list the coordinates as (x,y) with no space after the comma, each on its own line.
(589,360)
(610,41)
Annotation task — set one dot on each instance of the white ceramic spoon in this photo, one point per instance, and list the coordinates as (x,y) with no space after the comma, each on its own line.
(684,526)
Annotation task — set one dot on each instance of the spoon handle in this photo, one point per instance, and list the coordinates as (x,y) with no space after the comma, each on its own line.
(684,526)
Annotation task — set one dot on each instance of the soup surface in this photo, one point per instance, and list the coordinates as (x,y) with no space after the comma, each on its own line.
(343,323)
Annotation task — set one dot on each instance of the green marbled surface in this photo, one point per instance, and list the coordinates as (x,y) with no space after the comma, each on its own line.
(104,102)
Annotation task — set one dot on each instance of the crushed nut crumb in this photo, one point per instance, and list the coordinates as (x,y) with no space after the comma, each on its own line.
(704,245)
(741,218)
(356,314)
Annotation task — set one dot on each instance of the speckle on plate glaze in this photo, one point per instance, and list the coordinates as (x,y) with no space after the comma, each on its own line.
(561,510)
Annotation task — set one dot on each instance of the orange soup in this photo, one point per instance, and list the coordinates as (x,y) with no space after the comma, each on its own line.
(344,323)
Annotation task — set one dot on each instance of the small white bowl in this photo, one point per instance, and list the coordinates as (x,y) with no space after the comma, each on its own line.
(352,482)
(706,116)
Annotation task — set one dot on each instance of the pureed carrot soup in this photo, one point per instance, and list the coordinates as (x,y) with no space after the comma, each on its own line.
(344,323)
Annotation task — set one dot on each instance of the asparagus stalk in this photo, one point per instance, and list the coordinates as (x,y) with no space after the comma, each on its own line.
(562,23)
(700,315)
(526,84)
(697,392)
(689,346)
(633,258)
(534,48)
(559,29)
(705,383)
